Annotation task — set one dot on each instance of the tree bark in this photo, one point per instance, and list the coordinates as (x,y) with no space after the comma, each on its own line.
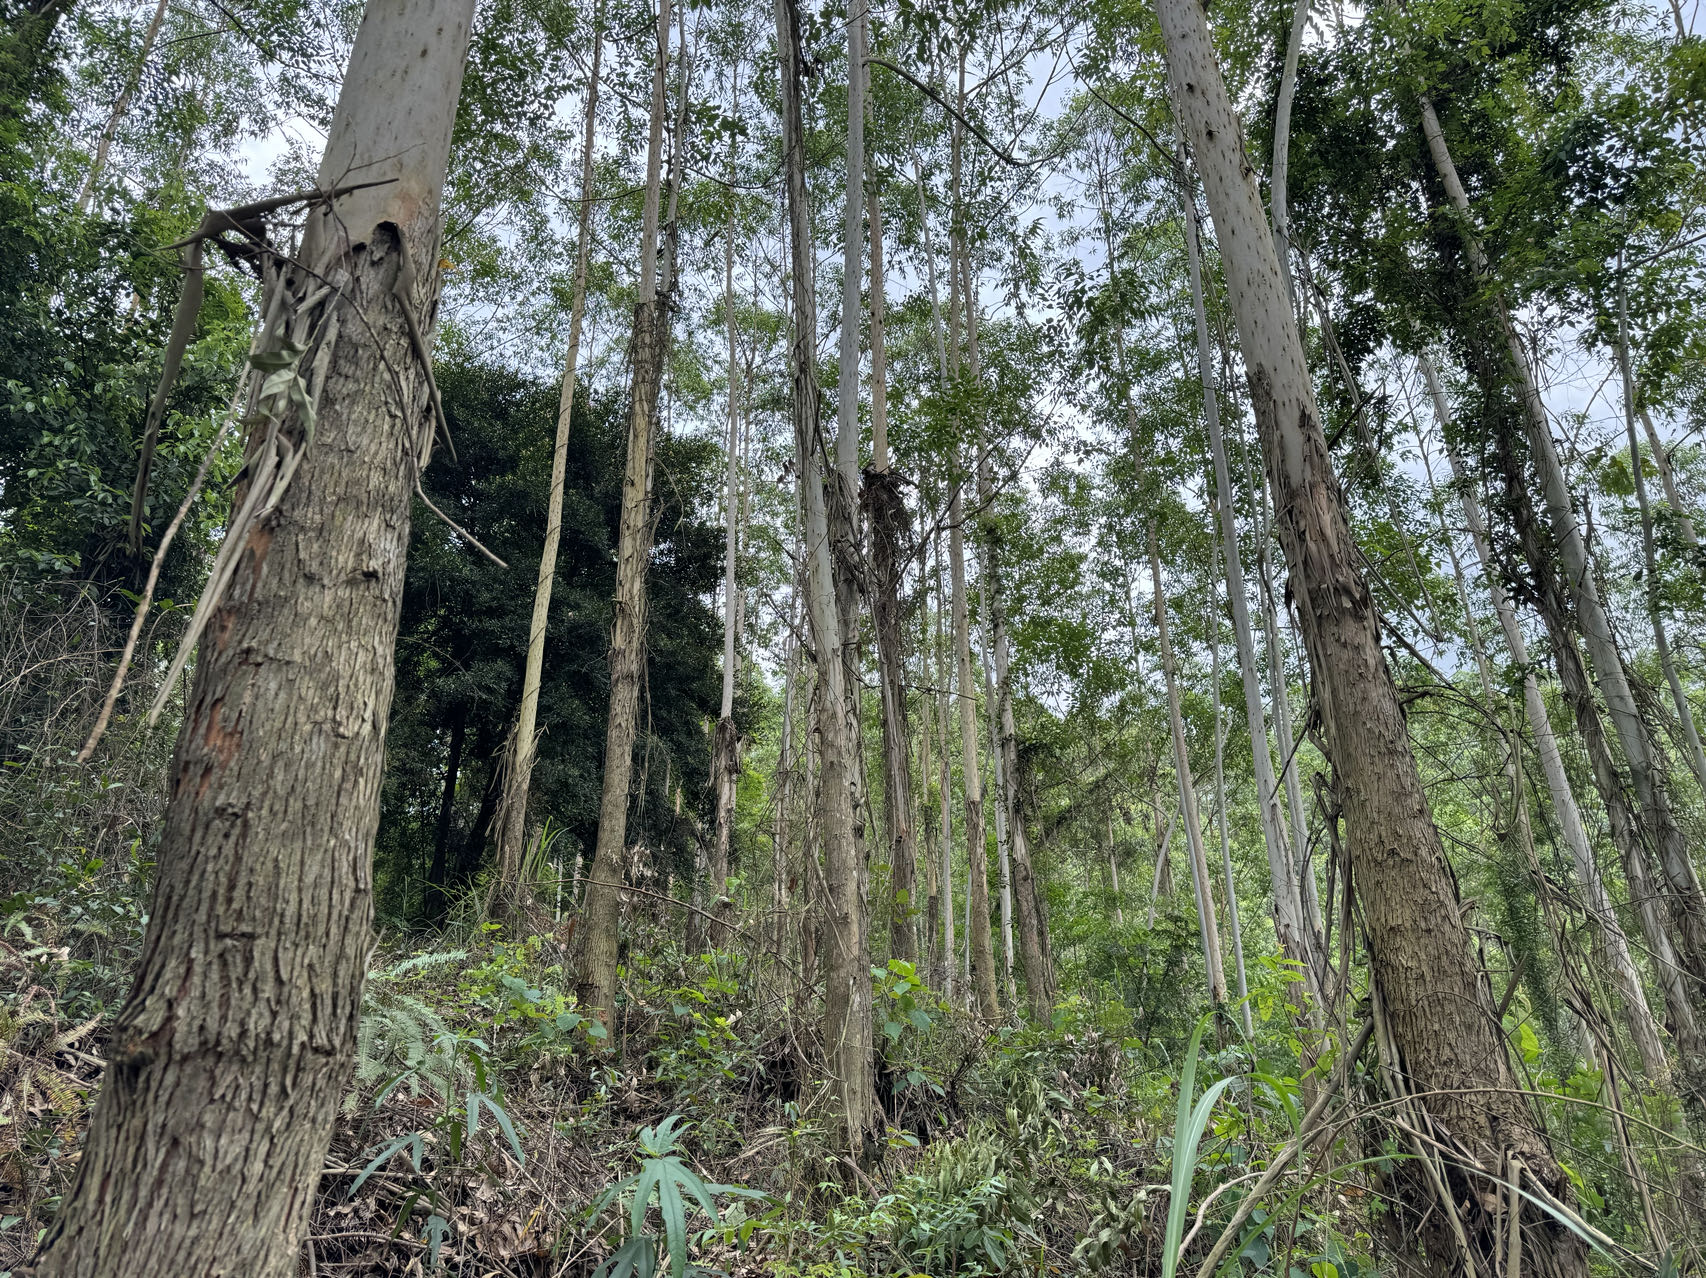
(1003,862)
(601,907)
(523,745)
(945,786)
(847,988)
(982,954)
(235,1045)
(1449,1049)
(1232,922)
(436,896)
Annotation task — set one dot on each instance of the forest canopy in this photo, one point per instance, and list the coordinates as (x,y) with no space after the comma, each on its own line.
(852,639)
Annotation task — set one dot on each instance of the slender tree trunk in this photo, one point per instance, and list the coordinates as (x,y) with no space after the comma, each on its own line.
(725,750)
(945,786)
(1290,927)
(234,1047)
(1004,869)
(1213,624)
(523,745)
(1279,170)
(1614,945)
(1207,923)
(601,908)
(982,954)
(121,105)
(1449,1050)
(890,527)
(1650,577)
(436,897)
(784,792)
(1686,900)
(1114,875)
(1679,514)
(847,987)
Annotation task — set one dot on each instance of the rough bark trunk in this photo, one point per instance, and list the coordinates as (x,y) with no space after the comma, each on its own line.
(847,987)
(523,746)
(234,1047)
(1448,1049)
(1596,901)
(601,907)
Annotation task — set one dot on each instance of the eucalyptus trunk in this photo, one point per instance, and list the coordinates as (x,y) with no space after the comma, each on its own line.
(825,514)
(1450,1053)
(523,744)
(234,1048)
(601,907)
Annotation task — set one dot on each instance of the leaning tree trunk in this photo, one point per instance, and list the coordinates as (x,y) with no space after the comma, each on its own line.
(1289,927)
(847,984)
(601,907)
(235,1045)
(1646,769)
(523,744)
(1614,945)
(1450,1051)
(971,777)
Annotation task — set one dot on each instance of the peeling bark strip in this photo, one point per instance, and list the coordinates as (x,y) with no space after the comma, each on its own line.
(235,1044)
(1445,1043)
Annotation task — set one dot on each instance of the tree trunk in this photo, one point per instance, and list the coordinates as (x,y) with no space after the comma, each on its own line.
(1290,929)
(1206,921)
(1596,903)
(945,787)
(1650,577)
(235,1045)
(121,104)
(982,954)
(523,746)
(847,988)
(725,750)
(1213,624)
(601,907)
(1646,771)
(890,527)
(1421,963)
(436,897)
(1003,863)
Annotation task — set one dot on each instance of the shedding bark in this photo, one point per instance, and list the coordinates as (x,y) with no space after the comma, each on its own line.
(826,513)
(601,907)
(235,1045)
(1445,1049)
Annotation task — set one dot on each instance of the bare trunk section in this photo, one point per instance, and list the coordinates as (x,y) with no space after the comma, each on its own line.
(1232,921)
(235,1045)
(601,907)
(1206,921)
(847,985)
(890,529)
(1289,925)
(523,744)
(1003,862)
(945,786)
(1686,901)
(982,954)
(1596,902)
(1445,1045)
(1667,476)
(121,104)
(725,749)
